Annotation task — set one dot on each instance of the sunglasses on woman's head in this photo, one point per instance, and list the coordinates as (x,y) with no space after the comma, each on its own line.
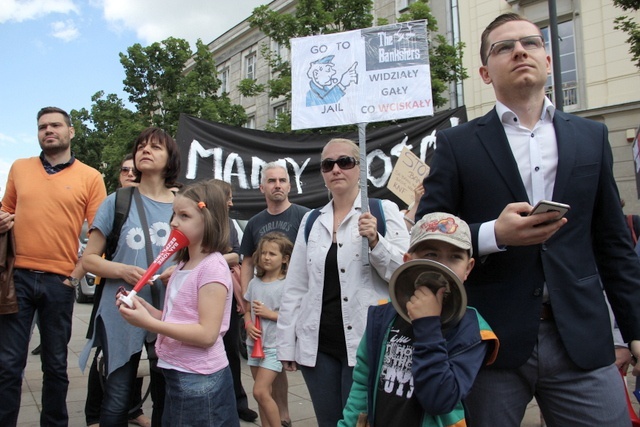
(343,162)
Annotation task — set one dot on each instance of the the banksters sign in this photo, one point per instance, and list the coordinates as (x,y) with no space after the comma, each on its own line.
(361,76)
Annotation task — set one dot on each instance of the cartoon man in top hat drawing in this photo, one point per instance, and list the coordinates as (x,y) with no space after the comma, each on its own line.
(324,89)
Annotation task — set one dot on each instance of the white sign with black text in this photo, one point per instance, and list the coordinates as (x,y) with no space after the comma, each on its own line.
(362,76)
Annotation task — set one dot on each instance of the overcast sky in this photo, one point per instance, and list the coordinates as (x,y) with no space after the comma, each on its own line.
(61,52)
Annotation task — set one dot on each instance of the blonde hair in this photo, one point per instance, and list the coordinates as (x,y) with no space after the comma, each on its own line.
(355,150)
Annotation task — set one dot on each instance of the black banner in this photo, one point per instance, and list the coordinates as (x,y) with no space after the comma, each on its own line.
(236,155)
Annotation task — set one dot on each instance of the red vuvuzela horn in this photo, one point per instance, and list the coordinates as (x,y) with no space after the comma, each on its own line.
(635,421)
(176,241)
(258,352)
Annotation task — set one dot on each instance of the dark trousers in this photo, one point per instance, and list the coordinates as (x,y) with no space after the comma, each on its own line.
(231,342)
(53,301)
(567,395)
(158,392)
(119,384)
(329,383)
(95,394)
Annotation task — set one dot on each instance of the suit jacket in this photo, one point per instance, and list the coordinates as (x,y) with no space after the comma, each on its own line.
(474,175)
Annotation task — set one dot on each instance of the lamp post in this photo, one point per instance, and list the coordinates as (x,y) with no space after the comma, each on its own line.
(558,95)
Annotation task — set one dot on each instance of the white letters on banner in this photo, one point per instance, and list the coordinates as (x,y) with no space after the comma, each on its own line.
(230,167)
(361,76)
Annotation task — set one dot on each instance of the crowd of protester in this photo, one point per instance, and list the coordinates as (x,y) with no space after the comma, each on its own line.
(313,288)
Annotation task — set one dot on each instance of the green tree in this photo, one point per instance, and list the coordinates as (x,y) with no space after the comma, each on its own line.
(629,26)
(314,17)
(165,79)
(105,134)
(162,80)
(445,60)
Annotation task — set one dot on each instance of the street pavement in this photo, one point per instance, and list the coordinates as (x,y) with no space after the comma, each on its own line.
(300,406)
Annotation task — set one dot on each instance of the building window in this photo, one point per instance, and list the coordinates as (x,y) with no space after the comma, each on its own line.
(223,75)
(280,51)
(250,123)
(568,63)
(403,5)
(277,111)
(250,66)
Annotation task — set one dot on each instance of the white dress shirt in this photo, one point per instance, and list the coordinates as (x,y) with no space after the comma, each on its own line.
(536,153)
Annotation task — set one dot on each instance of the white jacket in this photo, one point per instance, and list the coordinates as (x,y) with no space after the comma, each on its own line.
(361,287)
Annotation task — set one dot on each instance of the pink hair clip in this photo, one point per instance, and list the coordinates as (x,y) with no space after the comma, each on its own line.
(202,205)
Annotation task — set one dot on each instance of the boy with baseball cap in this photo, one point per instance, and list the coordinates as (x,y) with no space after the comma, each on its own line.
(415,374)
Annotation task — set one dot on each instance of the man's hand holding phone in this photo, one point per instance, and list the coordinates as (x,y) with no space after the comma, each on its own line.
(519,224)
(544,206)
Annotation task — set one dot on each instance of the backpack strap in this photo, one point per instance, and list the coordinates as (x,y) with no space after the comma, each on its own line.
(123,204)
(313,215)
(155,292)
(375,207)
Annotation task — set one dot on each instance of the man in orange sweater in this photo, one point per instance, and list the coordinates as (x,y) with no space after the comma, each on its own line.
(47,198)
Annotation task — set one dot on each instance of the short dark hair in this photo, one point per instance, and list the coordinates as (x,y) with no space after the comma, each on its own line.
(172,169)
(216,217)
(500,20)
(128,156)
(49,110)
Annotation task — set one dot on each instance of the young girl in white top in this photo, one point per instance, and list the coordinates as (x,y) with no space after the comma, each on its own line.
(264,292)
(196,315)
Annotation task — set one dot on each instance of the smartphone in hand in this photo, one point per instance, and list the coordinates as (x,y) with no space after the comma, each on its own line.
(548,206)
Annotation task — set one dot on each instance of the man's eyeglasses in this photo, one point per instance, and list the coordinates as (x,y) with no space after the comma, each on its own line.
(343,162)
(505,47)
(125,170)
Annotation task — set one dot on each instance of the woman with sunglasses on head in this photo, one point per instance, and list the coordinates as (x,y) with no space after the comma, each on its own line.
(127,177)
(329,288)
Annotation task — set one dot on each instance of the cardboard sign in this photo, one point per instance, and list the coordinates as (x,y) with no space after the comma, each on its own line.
(408,173)
(361,76)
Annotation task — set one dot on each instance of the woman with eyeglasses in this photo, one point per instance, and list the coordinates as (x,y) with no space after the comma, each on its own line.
(329,286)
(127,177)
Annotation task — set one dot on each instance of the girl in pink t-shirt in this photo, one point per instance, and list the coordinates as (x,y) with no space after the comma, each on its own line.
(196,314)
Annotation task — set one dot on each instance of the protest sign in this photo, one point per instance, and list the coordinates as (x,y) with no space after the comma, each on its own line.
(408,173)
(362,76)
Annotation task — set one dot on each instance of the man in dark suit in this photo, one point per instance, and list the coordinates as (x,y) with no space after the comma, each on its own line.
(537,283)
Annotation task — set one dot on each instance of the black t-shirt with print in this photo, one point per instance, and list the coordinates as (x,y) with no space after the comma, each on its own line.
(395,402)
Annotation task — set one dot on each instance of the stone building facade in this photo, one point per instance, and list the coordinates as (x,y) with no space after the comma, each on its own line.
(599,80)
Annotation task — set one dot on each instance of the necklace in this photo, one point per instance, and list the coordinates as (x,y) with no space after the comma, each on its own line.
(337,221)
(336,227)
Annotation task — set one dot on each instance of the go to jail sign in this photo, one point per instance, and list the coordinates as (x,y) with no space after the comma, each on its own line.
(361,76)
